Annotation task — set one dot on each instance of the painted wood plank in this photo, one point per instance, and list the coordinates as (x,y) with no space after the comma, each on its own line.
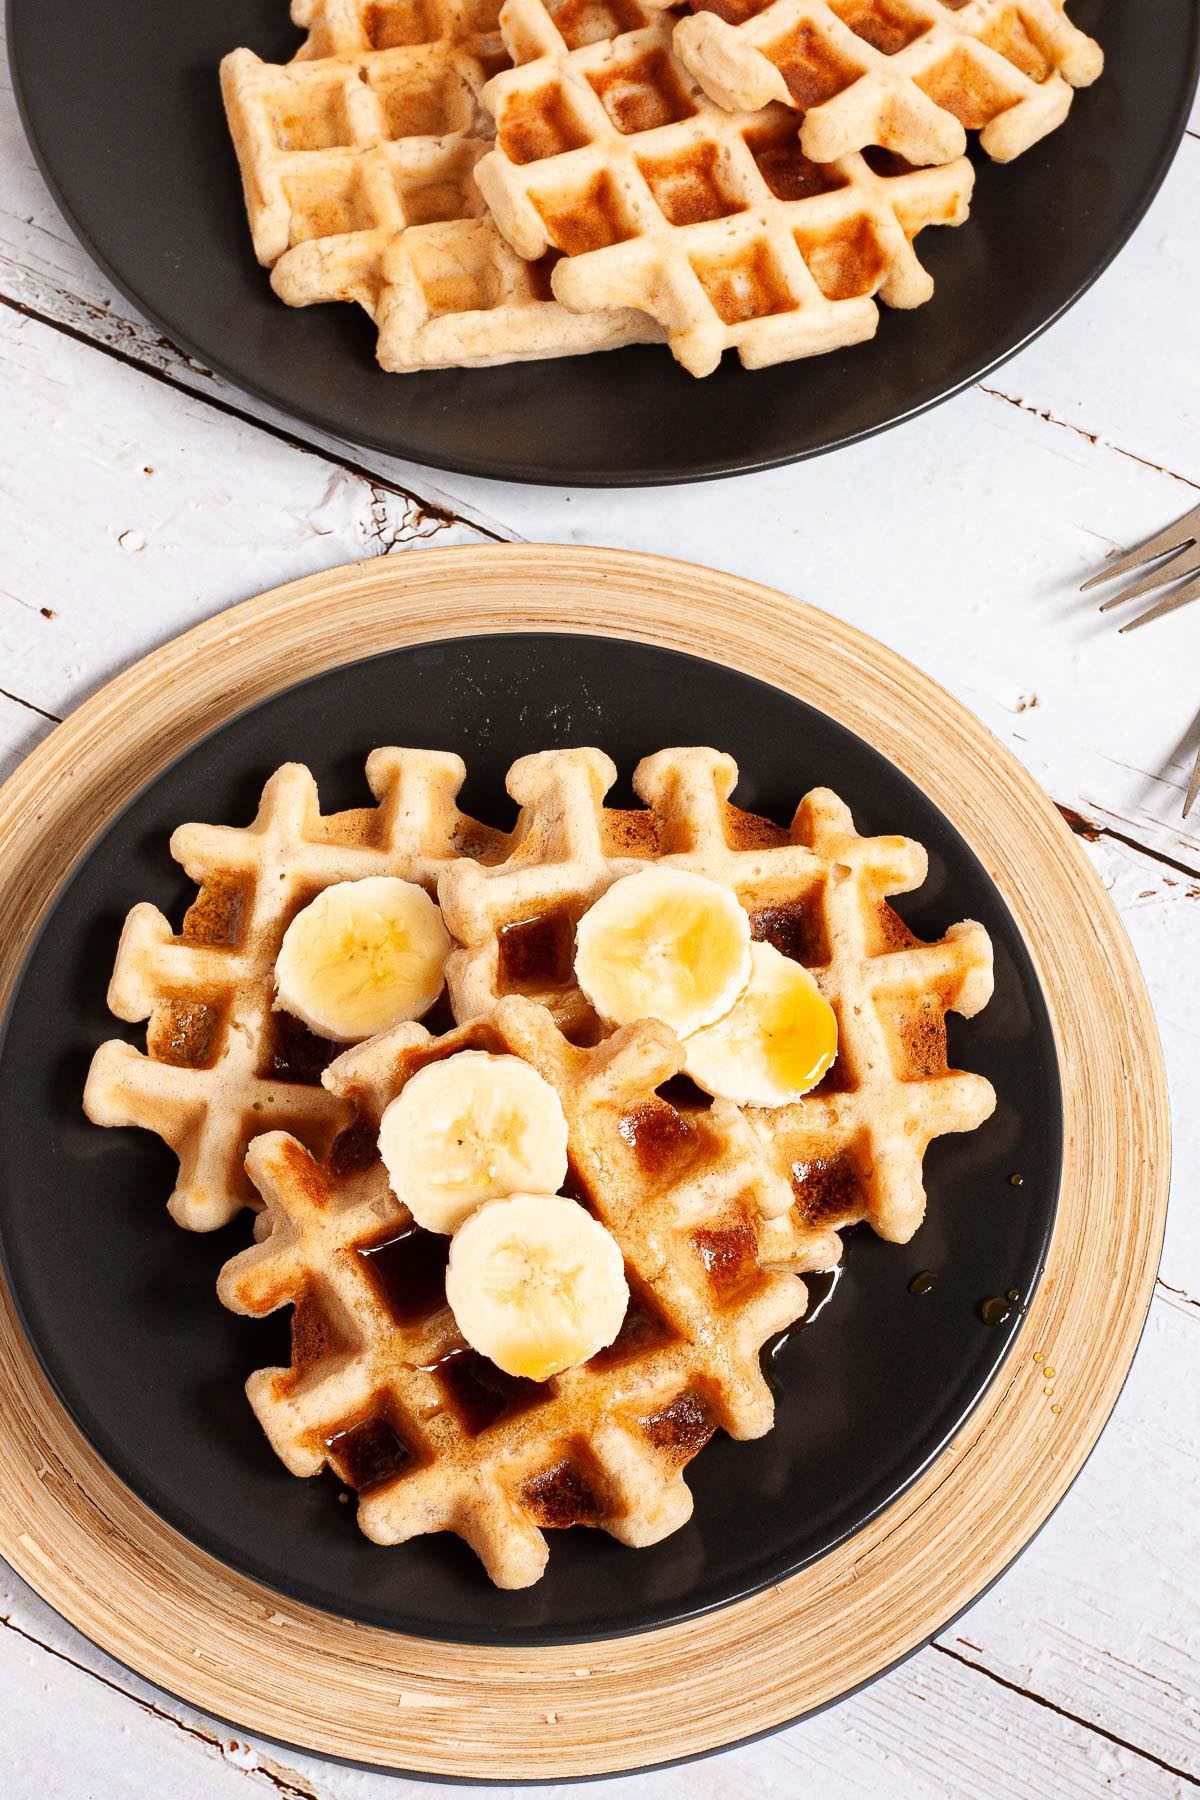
(931,1728)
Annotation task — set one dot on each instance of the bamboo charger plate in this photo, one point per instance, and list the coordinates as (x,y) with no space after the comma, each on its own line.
(235,1649)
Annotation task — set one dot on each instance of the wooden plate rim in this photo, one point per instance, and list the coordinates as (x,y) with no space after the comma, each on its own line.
(239,1651)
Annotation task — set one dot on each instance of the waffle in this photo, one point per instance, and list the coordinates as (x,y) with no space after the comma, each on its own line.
(853,1148)
(434,1437)
(220,1066)
(375,130)
(911,75)
(713,223)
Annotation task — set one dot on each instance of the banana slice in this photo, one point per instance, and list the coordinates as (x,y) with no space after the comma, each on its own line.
(664,944)
(474,1127)
(362,956)
(536,1284)
(775,1044)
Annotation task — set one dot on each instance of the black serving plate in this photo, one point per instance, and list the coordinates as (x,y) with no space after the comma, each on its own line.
(127,125)
(119,1304)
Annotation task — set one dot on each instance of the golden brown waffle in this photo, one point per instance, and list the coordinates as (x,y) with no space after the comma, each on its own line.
(220,1066)
(383,1389)
(910,75)
(853,1148)
(714,223)
(372,131)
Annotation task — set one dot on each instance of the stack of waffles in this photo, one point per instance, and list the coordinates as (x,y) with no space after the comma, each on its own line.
(718,1210)
(563,176)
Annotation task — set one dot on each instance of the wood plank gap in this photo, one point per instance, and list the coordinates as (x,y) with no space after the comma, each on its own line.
(1014,1687)
(1091,833)
(1092,437)
(293,1789)
(426,509)
(29,706)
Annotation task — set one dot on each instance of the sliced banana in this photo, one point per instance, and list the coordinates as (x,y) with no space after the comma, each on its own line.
(536,1284)
(664,944)
(775,1044)
(362,956)
(474,1127)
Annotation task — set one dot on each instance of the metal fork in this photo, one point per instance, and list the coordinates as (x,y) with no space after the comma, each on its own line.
(1175,554)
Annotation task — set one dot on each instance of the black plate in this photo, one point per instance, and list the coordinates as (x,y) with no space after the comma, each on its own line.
(119,1303)
(126,123)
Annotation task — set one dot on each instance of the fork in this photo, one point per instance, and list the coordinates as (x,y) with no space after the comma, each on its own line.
(1175,554)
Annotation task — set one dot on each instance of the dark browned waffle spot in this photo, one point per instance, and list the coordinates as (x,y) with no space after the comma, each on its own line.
(642,95)
(643,1329)
(187,1032)
(788,173)
(847,263)
(220,910)
(812,70)
(891,933)
(372,1449)
(482,1394)
(744,283)
(795,928)
(632,831)
(828,1188)
(750,831)
(407,1269)
(294,1053)
(886,28)
(536,126)
(689,187)
(681,1429)
(587,218)
(537,952)
(315,1336)
(354,1149)
(918,1037)
(662,1139)
(729,1255)
(568,1493)
(888,164)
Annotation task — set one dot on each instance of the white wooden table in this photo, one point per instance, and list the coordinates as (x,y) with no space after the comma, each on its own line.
(140,494)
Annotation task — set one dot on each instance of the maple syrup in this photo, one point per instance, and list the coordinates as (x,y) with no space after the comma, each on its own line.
(794,929)
(217,913)
(923,1283)
(658,1135)
(563,1495)
(407,1269)
(680,1429)
(729,1255)
(827,1188)
(537,953)
(481,1393)
(294,1053)
(369,1452)
(996,1310)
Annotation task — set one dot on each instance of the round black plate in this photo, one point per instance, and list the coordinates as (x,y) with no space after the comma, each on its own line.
(119,1303)
(128,128)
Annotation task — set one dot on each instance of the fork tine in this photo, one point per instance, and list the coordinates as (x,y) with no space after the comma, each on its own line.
(1185,561)
(1183,532)
(1180,596)
(1193,787)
